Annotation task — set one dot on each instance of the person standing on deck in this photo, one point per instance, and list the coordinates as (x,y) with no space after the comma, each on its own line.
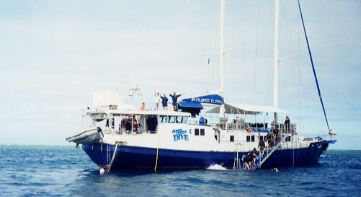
(128,126)
(164,102)
(268,138)
(156,100)
(275,133)
(262,146)
(287,125)
(174,99)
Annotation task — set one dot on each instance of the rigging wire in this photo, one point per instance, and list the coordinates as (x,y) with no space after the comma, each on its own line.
(141,50)
(300,120)
(285,79)
(255,62)
(313,67)
(199,79)
(211,80)
(299,73)
(135,37)
(268,88)
(244,56)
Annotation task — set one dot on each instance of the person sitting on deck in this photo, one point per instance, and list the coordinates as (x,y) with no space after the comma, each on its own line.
(143,107)
(250,159)
(255,159)
(245,162)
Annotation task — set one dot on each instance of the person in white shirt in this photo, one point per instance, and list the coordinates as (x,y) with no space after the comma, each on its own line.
(156,100)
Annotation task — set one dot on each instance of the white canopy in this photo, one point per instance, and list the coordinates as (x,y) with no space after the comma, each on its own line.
(247,109)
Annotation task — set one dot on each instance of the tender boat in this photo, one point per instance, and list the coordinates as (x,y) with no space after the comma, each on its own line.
(90,136)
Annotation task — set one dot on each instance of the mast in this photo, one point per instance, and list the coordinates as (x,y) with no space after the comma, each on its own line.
(276,57)
(222,56)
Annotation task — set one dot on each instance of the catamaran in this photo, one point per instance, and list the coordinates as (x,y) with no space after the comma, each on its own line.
(169,140)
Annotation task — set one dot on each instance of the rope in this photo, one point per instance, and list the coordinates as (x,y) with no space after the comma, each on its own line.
(156,160)
(111,162)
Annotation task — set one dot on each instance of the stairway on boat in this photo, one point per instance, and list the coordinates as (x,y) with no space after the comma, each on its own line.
(268,152)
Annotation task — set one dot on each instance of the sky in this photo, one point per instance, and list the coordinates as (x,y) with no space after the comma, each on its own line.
(55,54)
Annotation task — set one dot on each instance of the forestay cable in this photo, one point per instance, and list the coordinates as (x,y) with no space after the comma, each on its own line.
(313,67)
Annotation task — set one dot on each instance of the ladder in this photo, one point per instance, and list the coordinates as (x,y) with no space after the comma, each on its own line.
(273,150)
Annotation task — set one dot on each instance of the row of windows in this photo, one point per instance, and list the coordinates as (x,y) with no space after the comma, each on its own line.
(173,119)
(249,138)
(196,132)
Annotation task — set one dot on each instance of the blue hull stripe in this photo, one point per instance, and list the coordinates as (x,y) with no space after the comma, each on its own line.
(141,157)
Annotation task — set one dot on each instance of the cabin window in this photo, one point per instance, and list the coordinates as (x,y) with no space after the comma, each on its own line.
(202,131)
(248,138)
(179,119)
(185,118)
(261,138)
(196,131)
(252,138)
(163,119)
(171,119)
(231,138)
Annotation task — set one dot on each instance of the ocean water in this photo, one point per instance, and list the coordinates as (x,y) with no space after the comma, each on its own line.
(66,171)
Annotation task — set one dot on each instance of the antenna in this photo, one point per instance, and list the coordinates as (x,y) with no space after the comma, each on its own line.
(133,91)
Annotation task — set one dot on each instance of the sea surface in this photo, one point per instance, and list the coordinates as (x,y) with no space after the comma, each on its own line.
(66,171)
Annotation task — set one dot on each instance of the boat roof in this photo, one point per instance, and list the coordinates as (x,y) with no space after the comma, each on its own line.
(247,109)
(137,112)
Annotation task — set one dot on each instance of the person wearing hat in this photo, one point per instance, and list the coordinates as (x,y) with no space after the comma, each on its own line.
(287,125)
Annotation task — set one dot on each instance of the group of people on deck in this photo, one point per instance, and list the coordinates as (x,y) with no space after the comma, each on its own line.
(164,100)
